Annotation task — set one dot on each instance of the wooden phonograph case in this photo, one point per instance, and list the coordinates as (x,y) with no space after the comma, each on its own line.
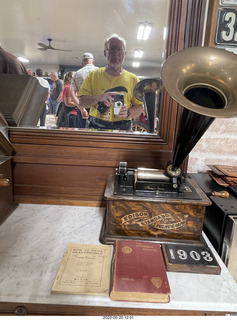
(166,205)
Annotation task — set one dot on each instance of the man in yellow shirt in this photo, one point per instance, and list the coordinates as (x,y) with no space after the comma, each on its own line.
(104,85)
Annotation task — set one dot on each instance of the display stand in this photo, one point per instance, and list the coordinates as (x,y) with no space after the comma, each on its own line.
(32,243)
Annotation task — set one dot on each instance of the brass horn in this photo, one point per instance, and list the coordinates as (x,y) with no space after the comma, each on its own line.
(203,80)
(147,91)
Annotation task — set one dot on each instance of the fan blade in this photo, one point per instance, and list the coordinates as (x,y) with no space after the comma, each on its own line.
(46,47)
(43,45)
(52,48)
(42,49)
(62,50)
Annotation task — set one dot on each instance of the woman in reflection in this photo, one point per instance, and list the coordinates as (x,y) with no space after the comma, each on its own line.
(67,110)
(103,85)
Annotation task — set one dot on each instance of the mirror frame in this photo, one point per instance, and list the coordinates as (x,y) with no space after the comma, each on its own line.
(55,166)
(185,29)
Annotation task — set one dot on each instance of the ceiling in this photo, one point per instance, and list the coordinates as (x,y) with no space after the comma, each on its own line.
(82,26)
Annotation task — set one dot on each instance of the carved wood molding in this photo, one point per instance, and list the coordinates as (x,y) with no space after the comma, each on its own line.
(212,17)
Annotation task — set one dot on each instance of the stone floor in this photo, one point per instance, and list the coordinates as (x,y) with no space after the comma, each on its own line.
(50,120)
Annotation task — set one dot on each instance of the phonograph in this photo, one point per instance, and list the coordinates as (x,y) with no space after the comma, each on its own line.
(165,205)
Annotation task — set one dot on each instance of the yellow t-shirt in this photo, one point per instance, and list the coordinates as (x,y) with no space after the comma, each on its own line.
(98,82)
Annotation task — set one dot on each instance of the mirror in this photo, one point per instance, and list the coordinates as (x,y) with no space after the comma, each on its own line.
(82,28)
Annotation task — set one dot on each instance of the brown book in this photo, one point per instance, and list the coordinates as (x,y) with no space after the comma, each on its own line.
(138,272)
(218,178)
(230,171)
(85,269)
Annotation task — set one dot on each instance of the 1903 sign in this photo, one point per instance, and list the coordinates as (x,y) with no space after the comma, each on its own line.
(190,258)
(226,32)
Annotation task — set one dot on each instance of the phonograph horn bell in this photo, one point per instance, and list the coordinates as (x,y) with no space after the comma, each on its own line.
(147,91)
(203,80)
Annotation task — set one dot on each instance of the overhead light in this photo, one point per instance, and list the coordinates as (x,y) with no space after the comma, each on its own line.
(144,30)
(24,60)
(136,64)
(138,53)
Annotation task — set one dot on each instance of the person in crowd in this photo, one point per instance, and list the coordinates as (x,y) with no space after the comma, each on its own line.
(88,65)
(102,85)
(56,93)
(44,83)
(10,64)
(30,72)
(68,113)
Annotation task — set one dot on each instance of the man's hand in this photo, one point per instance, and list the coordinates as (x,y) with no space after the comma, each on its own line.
(108,97)
(131,113)
(123,113)
(84,114)
(89,101)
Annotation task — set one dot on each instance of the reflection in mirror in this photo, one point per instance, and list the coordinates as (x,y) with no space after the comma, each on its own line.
(148,91)
(83,28)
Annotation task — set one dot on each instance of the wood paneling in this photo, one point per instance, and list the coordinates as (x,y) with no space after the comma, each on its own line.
(7,205)
(51,169)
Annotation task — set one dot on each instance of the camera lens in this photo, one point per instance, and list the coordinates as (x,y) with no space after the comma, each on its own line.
(118,104)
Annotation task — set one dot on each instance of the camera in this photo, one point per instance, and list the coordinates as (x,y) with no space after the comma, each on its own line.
(118,103)
(102,107)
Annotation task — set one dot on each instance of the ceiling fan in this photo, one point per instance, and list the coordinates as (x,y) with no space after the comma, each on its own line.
(45,47)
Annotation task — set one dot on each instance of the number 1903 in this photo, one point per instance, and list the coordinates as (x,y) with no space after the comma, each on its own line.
(184,255)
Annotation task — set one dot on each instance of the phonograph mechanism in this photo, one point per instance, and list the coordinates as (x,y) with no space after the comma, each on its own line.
(164,205)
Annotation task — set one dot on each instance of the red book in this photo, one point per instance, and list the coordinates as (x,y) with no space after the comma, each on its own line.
(138,272)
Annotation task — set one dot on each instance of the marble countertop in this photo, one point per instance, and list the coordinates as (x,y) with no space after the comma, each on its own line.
(33,241)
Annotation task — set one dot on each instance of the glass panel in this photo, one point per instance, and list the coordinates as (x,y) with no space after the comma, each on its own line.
(81,28)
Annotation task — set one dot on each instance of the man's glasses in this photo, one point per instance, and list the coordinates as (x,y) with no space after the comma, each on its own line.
(113,50)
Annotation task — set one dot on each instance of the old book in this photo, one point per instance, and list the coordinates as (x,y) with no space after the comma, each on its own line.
(224,175)
(218,178)
(230,171)
(138,272)
(85,269)
(190,258)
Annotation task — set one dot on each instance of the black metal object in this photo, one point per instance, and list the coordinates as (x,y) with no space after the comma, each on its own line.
(127,184)
(192,127)
(216,214)
(150,99)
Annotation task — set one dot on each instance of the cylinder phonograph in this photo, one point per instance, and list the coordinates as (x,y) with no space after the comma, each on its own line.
(164,205)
